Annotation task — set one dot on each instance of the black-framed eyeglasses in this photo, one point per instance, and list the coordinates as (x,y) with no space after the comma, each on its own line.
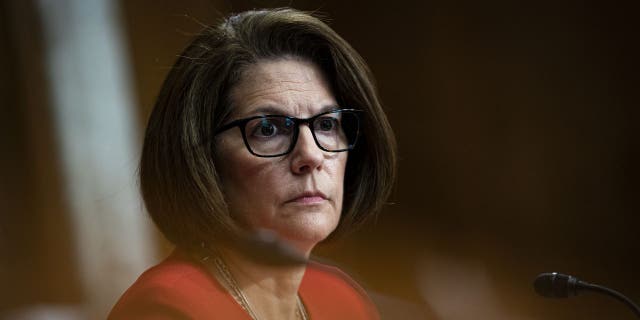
(276,135)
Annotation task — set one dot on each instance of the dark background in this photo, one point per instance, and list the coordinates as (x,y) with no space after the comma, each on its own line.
(516,124)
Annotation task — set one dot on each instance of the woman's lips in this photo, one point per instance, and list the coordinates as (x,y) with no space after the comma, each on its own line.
(309,198)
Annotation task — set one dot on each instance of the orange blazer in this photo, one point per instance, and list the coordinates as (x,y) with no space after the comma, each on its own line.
(180,288)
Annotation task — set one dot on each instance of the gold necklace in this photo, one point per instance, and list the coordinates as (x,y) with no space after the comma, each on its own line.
(237,294)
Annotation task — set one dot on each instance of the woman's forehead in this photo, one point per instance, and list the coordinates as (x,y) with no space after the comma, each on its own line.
(285,86)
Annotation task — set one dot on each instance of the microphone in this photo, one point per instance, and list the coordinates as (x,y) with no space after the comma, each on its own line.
(267,247)
(558,285)
(262,246)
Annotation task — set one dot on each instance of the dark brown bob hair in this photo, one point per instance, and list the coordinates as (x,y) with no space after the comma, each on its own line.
(179,182)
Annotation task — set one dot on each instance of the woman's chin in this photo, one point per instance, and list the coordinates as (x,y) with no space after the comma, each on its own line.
(304,237)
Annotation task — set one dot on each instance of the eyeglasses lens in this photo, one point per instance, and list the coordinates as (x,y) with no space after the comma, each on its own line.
(273,135)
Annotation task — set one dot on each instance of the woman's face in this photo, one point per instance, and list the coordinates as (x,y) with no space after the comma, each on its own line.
(298,195)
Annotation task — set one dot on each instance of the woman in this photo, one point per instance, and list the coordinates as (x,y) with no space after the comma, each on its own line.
(267,138)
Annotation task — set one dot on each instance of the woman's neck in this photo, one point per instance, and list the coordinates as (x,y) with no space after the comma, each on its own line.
(271,291)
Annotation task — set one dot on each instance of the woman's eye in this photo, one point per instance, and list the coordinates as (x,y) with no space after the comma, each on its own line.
(265,129)
(327,124)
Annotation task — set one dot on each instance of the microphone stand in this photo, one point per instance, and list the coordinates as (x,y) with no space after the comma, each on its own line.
(612,293)
(558,285)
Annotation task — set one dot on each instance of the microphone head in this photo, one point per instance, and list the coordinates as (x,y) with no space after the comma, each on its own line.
(267,247)
(555,285)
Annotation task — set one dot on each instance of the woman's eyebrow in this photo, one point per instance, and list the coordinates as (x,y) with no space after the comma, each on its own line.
(264,110)
(273,110)
(329,107)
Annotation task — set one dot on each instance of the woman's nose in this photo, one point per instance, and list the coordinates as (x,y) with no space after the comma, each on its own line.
(306,155)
